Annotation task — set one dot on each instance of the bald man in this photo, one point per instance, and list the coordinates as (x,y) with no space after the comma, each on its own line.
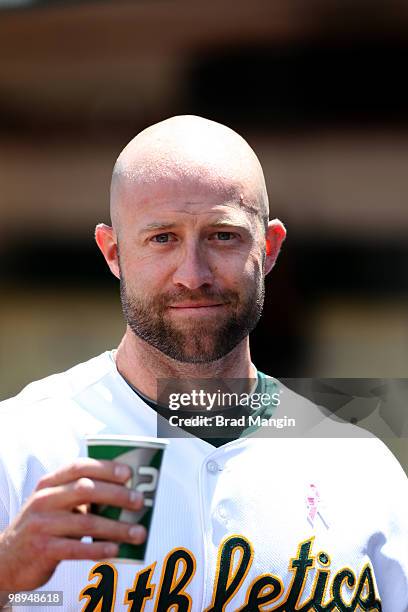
(241,521)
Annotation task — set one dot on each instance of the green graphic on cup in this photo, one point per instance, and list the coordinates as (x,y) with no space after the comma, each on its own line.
(144,456)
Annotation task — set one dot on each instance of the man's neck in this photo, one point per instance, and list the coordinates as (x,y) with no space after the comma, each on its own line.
(141,365)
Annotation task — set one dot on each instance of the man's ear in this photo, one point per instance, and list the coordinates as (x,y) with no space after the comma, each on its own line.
(275,235)
(106,240)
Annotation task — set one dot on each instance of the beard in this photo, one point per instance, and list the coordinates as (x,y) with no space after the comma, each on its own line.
(190,340)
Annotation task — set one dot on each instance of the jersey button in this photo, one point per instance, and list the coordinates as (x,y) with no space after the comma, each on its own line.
(212,467)
(222,511)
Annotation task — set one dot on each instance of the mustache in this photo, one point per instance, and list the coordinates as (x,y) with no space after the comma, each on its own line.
(187,295)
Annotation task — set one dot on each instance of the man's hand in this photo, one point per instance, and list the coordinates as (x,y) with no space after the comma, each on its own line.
(50,525)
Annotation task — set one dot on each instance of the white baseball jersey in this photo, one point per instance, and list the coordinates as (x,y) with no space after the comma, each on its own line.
(283,523)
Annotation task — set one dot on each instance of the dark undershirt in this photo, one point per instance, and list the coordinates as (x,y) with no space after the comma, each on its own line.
(265,384)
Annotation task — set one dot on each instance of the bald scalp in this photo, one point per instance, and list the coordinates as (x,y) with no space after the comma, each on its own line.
(194,149)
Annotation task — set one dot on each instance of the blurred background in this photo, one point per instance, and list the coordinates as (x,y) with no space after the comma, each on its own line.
(318,89)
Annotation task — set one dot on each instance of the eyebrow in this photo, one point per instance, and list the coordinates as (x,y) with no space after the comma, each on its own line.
(230,223)
(171,225)
(158,226)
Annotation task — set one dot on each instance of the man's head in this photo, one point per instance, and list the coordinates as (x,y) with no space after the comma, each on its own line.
(190,240)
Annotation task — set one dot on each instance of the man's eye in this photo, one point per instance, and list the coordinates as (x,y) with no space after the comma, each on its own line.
(161,238)
(224,235)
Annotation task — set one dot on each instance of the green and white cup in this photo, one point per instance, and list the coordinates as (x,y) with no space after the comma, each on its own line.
(144,457)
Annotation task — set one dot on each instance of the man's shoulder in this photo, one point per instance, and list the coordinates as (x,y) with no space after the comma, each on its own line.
(63,385)
(48,419)
(329,435)
(310,419)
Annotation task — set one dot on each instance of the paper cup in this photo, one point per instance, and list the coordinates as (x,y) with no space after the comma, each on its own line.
(144,456)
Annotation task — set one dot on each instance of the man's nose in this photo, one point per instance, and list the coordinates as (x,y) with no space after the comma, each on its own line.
(193,269)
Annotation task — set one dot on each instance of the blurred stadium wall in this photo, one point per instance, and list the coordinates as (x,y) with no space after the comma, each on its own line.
(317,88)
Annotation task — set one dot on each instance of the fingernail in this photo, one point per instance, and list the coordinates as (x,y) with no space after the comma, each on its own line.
(137,532)
(135,497)
(122,471)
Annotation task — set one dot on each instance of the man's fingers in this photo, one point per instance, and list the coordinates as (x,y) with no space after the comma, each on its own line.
(85,467)
(80,525)
(60,549)
(86,491)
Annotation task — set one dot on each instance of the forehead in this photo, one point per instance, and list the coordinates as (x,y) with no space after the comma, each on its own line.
(188,200)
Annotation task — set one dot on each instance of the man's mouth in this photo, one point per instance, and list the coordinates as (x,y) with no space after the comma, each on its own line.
(196,304)
(196,308)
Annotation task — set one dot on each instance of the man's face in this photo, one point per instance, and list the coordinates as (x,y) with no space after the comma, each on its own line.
(191,265)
